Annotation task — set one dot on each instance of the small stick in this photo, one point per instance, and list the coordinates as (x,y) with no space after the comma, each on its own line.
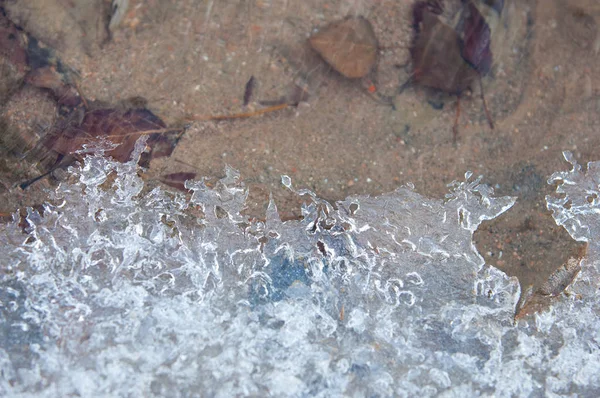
(61,162)
(249,90)
(185,163)
(24,185)
(487,113)
(148,132)
(239,115)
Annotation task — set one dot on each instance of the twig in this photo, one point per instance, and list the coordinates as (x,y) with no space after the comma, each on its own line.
(455,127)
(239,115)
(249,90)
(212,117)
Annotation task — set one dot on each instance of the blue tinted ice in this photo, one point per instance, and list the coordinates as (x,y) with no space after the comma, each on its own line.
(116,292)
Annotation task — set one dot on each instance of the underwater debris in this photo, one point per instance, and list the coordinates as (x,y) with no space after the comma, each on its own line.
(122,128)
(561,278)
(450,59)
(80,122)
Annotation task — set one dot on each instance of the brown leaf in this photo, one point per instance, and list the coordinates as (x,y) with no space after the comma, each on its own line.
(349,46)
(121,127)
(561,278)
(77,124)
(25,53)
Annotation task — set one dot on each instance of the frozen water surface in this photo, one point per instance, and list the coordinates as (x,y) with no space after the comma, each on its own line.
(118,293)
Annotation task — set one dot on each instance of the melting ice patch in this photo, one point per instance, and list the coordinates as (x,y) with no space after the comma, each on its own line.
(118,293)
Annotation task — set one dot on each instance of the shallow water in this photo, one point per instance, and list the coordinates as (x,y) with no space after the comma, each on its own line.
(194,58)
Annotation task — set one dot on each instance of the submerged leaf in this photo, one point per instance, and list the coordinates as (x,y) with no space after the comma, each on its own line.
(561,278)
(349,46)
(122,128)
(476,42)
(450,58)
(436,54)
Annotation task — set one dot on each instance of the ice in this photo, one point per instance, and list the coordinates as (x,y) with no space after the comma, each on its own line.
(118,292)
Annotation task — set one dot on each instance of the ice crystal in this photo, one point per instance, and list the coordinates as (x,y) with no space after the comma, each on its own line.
(117,292)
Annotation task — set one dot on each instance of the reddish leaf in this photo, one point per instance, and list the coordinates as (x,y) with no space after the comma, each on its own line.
(26,54)
(445,58)
(123,128)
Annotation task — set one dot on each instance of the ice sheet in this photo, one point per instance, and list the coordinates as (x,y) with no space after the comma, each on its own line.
(118,293)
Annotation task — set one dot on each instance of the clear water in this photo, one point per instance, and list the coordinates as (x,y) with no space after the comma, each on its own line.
(115,292)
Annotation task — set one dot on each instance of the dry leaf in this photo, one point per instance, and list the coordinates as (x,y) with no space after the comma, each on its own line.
(561,278)
(349,46)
